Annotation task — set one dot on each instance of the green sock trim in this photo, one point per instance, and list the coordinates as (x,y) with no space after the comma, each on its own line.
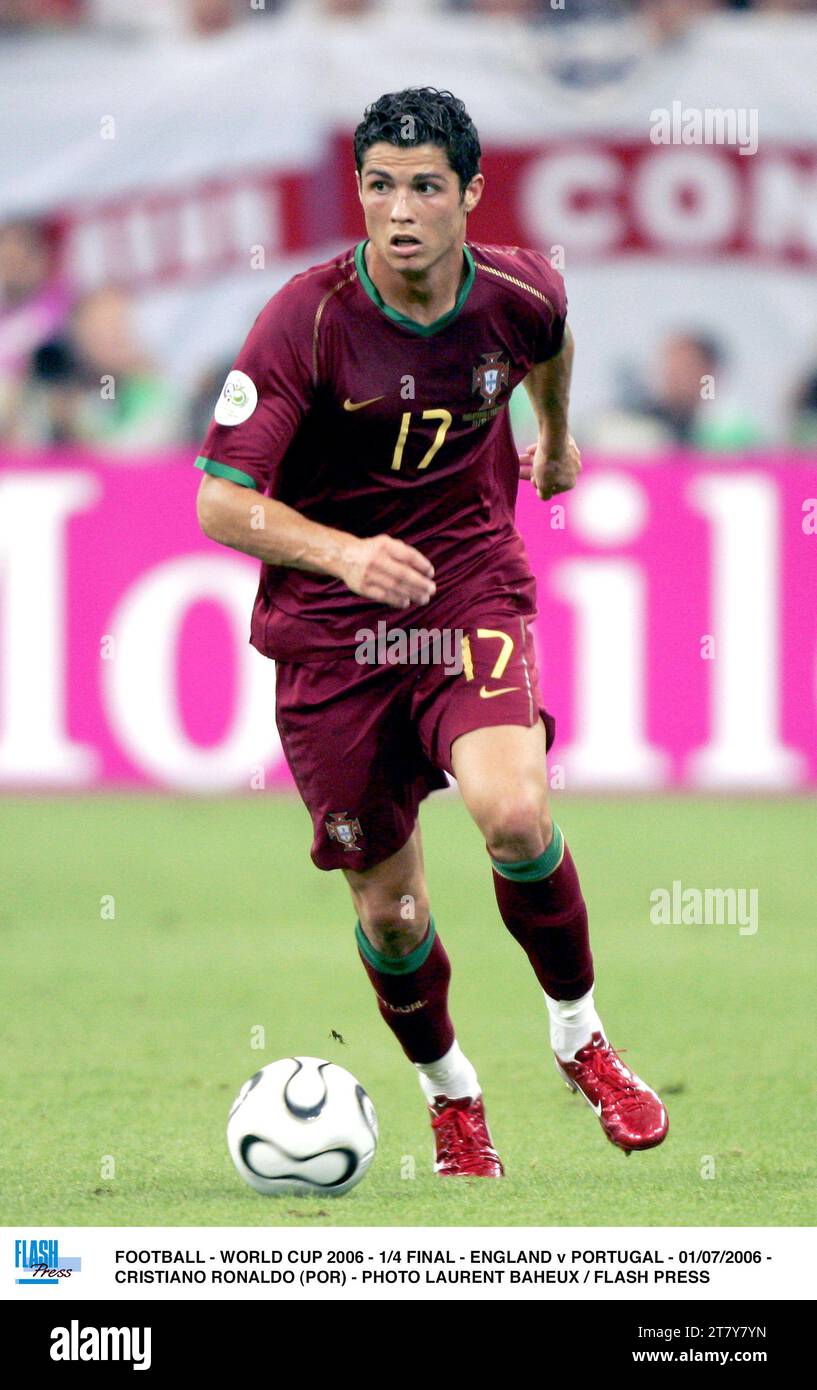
(528,870)
(396,965)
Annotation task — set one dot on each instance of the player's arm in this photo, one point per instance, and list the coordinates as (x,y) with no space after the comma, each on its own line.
(554,461)
(381,568)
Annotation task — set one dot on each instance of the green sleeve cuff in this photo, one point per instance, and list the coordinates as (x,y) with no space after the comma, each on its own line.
(223,470)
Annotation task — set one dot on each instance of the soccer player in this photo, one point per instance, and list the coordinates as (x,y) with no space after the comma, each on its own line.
(361,449)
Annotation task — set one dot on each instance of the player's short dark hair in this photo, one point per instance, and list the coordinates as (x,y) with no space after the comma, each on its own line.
(422,116)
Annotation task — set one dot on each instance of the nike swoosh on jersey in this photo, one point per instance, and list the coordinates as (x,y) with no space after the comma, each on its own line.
(358,405)
(489,694)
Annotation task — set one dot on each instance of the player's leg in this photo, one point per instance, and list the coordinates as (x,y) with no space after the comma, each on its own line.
(402,953)
(502,775)
(409,969)
(486,724)
(364,803)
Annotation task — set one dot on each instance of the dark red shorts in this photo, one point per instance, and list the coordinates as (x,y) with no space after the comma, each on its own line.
(366,743)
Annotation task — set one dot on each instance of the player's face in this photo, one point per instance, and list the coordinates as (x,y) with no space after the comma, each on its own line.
(412,204)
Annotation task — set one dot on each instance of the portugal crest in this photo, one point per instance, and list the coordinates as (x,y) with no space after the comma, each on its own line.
(490,376)
(342,828)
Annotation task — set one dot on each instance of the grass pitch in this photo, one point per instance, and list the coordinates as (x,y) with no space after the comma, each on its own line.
(127,1037)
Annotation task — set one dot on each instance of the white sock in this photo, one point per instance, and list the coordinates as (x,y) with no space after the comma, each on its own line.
(572,1024)
(452,1076)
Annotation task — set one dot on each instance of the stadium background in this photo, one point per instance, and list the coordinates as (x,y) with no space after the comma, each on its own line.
(164,931)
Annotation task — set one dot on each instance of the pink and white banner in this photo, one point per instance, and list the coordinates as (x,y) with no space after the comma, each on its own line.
(677,629)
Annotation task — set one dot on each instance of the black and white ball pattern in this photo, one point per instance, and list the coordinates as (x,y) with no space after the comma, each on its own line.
(302,1124)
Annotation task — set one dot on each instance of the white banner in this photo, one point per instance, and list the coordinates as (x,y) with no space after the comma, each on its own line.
(230,179)
(350,1263)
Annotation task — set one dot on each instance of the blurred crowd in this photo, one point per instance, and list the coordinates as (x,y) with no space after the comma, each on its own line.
(74,368)
(204,17)
(74,371)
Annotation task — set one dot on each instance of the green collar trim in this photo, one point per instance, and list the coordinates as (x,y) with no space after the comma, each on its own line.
(424,329)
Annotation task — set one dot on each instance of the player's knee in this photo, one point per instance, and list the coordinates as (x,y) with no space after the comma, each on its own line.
(393,923)
(518,825)
(392,936)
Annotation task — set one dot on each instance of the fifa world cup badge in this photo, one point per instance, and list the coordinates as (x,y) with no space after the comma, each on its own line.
(343,829)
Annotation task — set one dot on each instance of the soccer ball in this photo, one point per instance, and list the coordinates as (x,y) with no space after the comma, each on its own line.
(302,1125)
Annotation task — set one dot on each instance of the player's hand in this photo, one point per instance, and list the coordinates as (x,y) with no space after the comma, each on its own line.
(551,472)
(388,571)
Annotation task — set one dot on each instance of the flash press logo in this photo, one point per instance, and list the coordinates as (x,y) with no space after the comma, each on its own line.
(39,1262)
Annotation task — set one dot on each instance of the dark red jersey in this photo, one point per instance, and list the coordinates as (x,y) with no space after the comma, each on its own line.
(368,422)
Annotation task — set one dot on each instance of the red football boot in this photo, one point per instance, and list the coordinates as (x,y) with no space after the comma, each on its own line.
(462,1140)
(632,1116)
